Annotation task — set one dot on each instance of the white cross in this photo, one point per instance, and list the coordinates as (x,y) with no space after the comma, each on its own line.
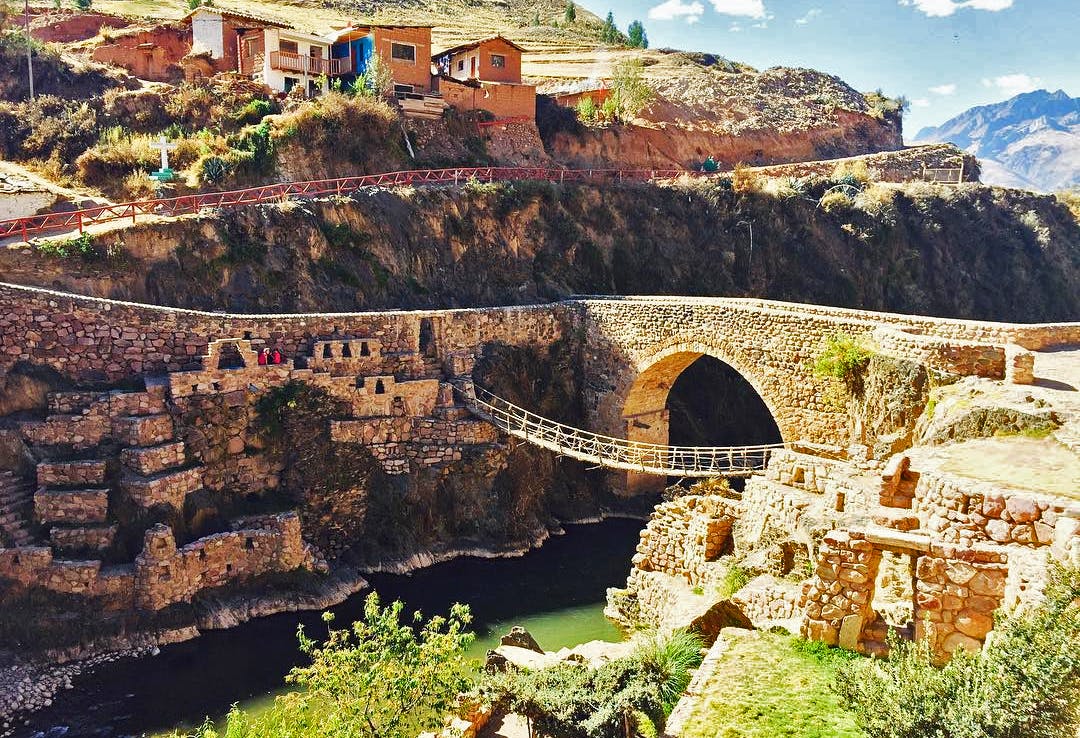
(164,147)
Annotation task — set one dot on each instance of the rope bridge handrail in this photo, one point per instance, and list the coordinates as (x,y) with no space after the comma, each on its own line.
(616,453)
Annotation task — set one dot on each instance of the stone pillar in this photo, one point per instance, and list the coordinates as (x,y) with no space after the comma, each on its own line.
(1019,365)
(837,600)
(957,591)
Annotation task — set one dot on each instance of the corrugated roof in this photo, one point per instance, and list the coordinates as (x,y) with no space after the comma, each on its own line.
(474,44)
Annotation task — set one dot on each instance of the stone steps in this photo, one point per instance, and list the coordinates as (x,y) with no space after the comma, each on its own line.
(144,430)
(71,507)
(16,510)
(80,473)
(166,488)
(81,539)
(150,460)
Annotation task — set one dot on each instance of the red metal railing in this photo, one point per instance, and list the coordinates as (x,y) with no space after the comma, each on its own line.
(188,204)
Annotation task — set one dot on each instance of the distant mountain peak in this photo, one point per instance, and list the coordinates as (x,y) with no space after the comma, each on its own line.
(1031,137)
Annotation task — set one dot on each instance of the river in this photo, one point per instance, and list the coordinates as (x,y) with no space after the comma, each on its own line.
(557,592)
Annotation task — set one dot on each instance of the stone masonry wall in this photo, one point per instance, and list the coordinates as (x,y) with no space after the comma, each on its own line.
(92,339)
(966,511)
(684,535)
(163,574)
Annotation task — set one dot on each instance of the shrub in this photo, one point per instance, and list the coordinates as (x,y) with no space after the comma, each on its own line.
(47,127)
(378,678)
(253,111)
(854,173)
(586,110)
(84,5)
(836,201)
(1071,200)
(572,699)
(745,180)
(842,358)
(82,247)
(1024,683)
(878,200)
(735,578)
(879,105)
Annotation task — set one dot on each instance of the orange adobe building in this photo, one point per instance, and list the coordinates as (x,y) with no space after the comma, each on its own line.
(486,75)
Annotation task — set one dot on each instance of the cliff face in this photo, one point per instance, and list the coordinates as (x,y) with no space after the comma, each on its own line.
(844,133)
(975,252)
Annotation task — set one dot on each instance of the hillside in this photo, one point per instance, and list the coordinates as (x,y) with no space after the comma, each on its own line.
(705,106)
(1031,140)
(973,252)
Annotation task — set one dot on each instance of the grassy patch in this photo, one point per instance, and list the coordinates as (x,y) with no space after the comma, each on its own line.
(770,686)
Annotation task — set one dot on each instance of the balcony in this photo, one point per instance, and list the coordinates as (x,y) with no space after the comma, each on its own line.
(312,66)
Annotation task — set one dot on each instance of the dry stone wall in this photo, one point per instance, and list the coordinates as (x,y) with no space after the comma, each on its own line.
(964,511)
(165,574)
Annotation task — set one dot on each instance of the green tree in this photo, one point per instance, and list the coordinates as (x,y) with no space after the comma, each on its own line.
(636,34)
(536,18)
(570,16)
(379,678)
(1024,683)
(629,88)
(84,4)
(609,34)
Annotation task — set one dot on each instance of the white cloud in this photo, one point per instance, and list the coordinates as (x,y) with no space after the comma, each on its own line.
(735,28)
(942,8)
(748,8)
(920,102)
(1014,84)
(949,89)
(810,15)
(674,9)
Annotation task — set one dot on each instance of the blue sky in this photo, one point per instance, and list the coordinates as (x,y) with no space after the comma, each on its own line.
(944,55)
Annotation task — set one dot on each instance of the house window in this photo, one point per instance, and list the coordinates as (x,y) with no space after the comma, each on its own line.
(291,82)
(289,47)
(498,61)
(403,52)
(316,52)
(461,65)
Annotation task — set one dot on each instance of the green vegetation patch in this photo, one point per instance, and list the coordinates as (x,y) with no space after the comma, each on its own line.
(769,685)
(844,358)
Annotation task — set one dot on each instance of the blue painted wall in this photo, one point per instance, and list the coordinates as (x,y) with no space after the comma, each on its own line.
(362,50)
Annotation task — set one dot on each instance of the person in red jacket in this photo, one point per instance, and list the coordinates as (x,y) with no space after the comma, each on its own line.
(264,357)
(276,357)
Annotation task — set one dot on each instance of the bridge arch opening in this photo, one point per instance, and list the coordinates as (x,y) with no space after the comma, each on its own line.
(691,398)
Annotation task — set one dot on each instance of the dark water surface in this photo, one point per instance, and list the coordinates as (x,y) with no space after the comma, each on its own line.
(557,592)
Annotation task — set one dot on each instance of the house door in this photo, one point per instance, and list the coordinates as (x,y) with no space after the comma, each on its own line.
(472,64)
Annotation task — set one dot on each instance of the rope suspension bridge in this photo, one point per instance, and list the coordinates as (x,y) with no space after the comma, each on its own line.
(615,453)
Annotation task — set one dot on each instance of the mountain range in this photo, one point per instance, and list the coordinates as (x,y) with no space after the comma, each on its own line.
(1030,141)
